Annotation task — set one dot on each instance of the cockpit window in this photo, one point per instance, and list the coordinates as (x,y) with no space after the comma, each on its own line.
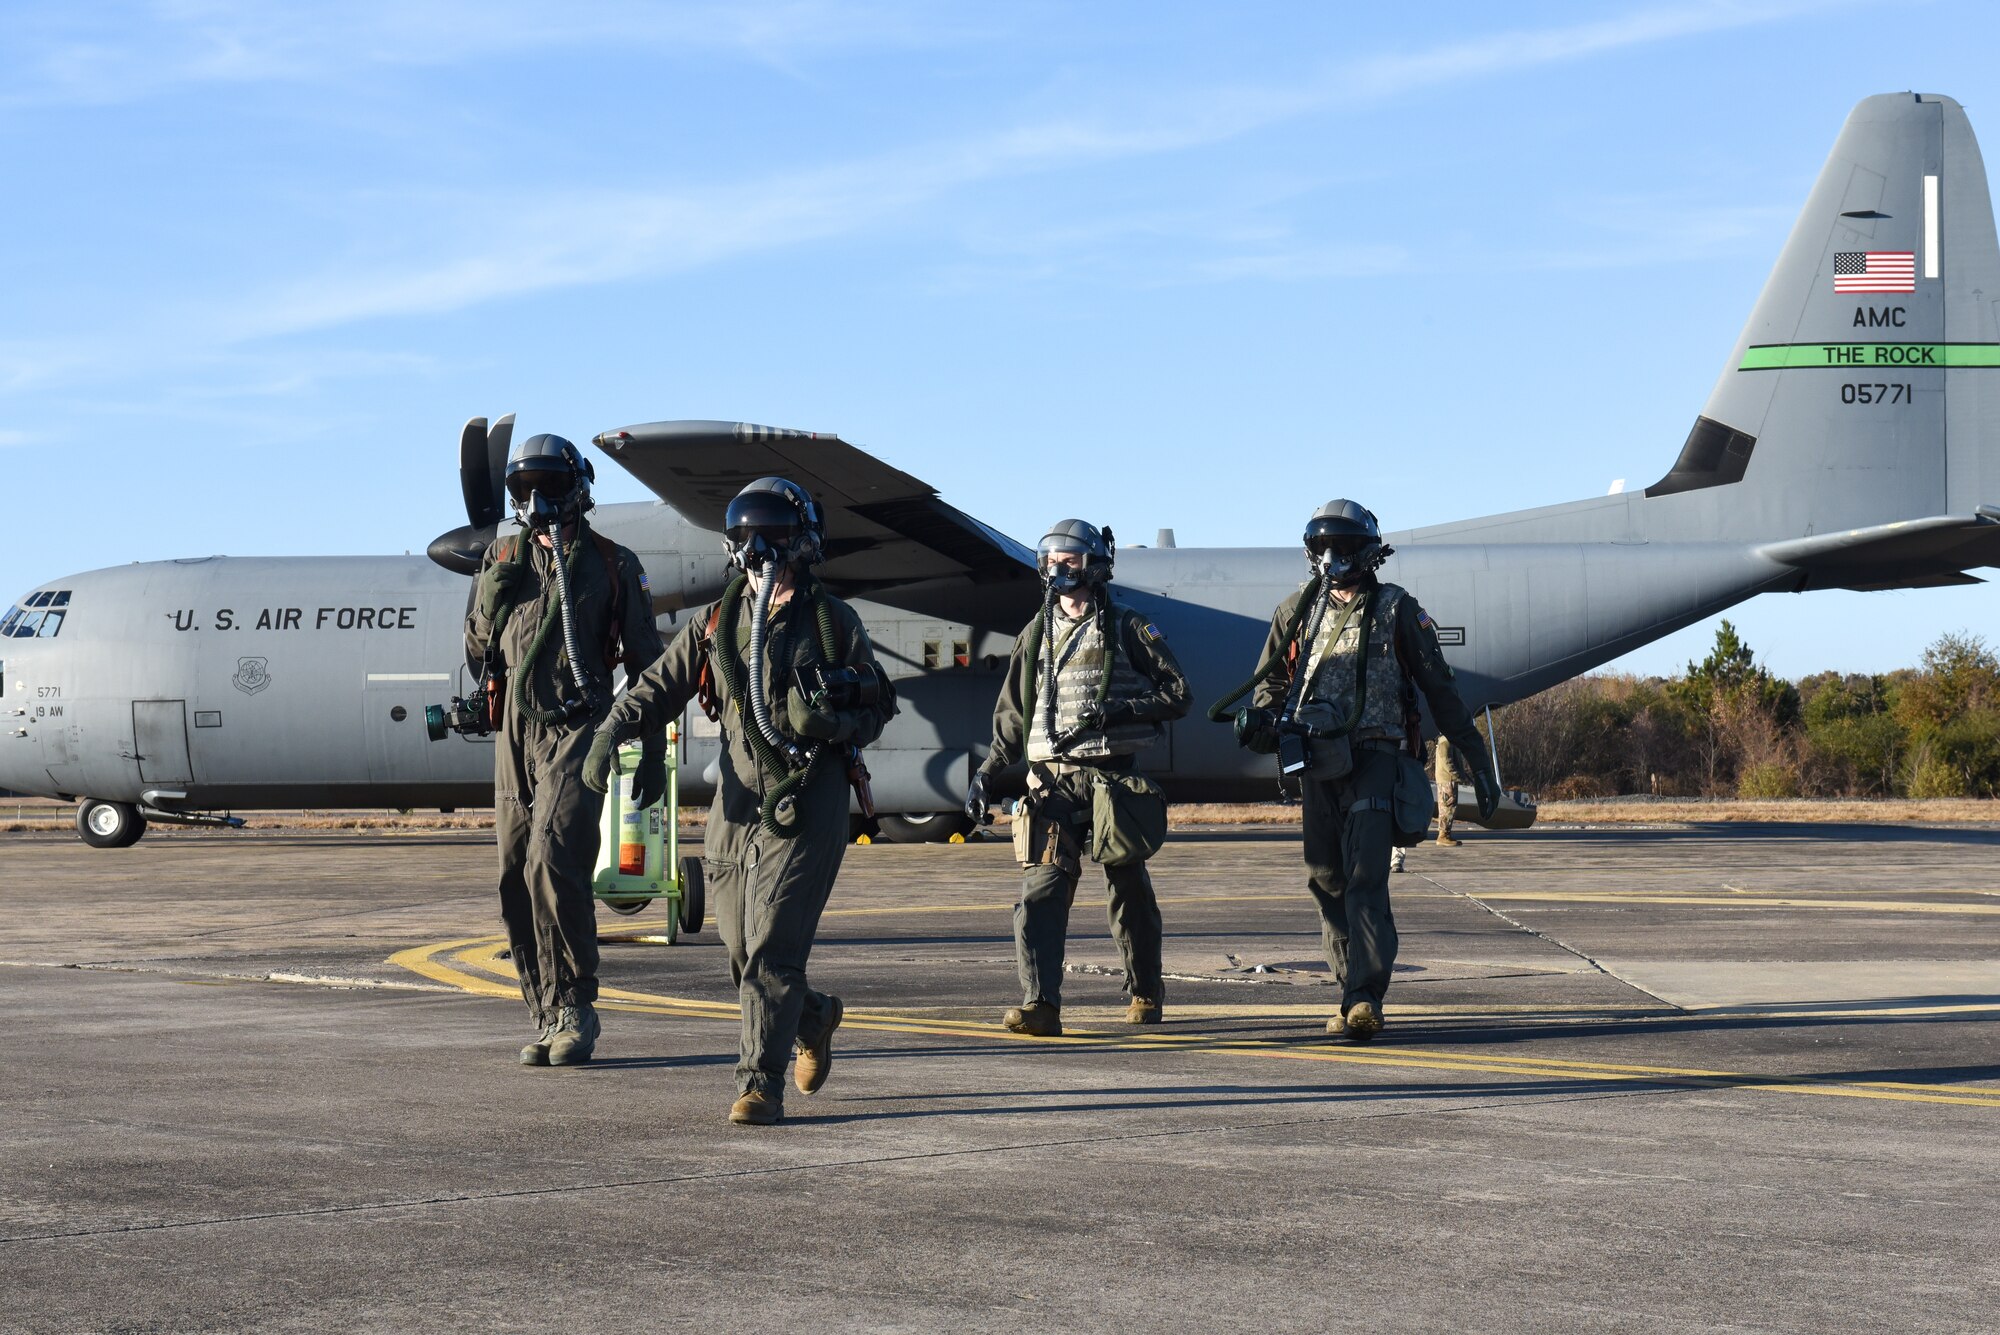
(36,617)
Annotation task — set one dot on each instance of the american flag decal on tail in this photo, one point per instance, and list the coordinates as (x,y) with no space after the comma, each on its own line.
(1875,271)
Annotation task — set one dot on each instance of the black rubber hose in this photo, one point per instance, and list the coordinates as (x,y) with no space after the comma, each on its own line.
(760,633)
(578,675)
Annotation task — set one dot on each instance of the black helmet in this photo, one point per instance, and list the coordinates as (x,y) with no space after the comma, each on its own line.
(773,521)
(1095,546)
(1344,542)
(549,480)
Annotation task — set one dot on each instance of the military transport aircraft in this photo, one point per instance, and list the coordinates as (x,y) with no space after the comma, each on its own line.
(1852,441)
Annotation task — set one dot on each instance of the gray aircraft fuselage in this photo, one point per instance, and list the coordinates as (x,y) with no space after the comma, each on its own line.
(1851,441)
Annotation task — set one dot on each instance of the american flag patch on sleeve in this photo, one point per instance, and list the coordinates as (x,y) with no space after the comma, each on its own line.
(643,583)
(1152,632)
(1424,620)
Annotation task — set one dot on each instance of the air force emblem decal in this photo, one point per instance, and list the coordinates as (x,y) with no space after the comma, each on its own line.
(252,675)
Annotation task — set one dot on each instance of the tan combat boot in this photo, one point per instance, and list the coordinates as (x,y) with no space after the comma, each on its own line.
(1446,841)
(1040,1019)
(1336,1027)
(757,1109)
(1143,1010)
(1363,1021)
(816,1060)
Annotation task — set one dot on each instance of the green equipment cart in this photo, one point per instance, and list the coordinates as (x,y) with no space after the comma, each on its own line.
(639,855)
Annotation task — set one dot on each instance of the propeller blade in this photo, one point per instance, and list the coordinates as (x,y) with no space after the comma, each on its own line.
(498,443)
(461,549)
(472,474)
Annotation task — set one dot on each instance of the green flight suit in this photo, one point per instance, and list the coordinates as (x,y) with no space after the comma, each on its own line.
(768,892)
(1150,691)
(547,821)
(1349,826)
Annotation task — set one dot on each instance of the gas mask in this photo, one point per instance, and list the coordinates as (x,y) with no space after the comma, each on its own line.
(1344,544)
(549,481)
(771,524)
(1073,536)
(543,498)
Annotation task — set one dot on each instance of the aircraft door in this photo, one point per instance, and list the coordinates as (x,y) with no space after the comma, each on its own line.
(159,731)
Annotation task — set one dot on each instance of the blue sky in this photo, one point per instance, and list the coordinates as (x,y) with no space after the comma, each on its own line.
(1202,265)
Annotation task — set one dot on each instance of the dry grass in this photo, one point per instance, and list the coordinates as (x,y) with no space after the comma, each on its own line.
(1830,811)
(1657,811)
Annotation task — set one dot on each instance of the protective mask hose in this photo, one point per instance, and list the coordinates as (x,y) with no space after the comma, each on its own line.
(577,674)
(760,630)
(1049,665)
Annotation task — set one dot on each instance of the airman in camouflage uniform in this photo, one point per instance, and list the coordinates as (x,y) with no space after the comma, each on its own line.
(1339,671)
(1447,785)
(1090,684)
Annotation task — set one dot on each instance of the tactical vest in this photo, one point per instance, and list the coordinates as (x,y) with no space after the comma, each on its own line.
(615,653)
(1333,667)
(1079,652)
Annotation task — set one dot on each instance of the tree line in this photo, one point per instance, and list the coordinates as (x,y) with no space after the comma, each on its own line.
(1728,728)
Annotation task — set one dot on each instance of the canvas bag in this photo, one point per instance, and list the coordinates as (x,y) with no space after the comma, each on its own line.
(1128,818)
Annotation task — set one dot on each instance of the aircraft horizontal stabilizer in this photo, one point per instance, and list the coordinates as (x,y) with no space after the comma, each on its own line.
(885,530)
(1909,554)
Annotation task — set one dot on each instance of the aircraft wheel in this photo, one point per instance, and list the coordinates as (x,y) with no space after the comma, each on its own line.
(694,896)
(926,827)
(627,907)
(109,824)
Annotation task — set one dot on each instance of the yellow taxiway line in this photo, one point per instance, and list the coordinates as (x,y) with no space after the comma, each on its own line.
(1731,901)
(474,965)
(1736,899)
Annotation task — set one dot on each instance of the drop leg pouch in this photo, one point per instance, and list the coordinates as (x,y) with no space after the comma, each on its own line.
(1411,802)
(1128,818)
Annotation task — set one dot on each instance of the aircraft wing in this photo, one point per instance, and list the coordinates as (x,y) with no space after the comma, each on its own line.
(1913,553)
(889,537)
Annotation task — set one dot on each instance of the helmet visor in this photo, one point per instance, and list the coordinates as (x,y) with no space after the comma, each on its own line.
(1062,542)
(761,509)
(775,537)
(550,482)
(1345,546)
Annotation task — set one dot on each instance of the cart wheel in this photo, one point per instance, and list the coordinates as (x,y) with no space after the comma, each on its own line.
(694,896)
(628,907)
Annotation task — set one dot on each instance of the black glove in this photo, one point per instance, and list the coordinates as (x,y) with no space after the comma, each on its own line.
(976,804)
(1257,730)
(1097,715)
(1486,791)
(650,780)
(597,764)
(496,585)
(815,721)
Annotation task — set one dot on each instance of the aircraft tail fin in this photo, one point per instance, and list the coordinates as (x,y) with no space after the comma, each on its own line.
(1865,388)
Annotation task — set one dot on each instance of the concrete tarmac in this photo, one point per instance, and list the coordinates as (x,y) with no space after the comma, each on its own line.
(1668,1079)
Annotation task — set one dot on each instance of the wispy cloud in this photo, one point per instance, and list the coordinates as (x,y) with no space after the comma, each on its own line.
(614,235)
(606,235)
(106,54)
(10,438)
